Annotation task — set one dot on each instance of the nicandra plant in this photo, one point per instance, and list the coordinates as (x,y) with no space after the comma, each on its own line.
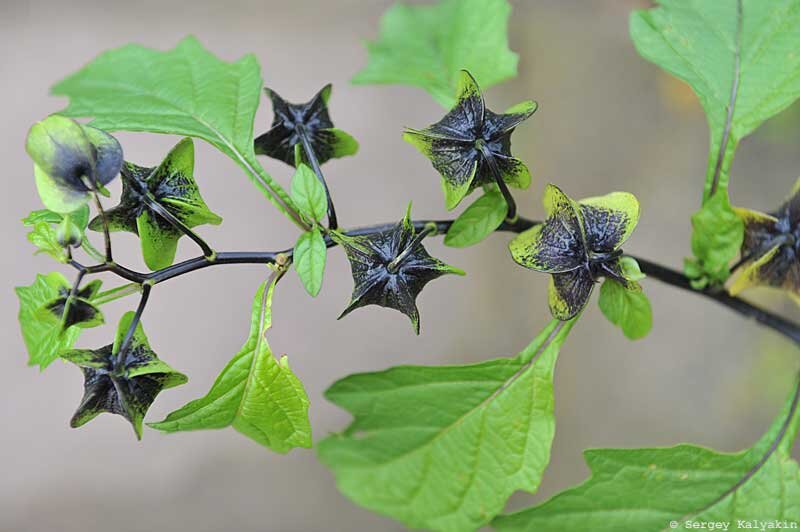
(437,448)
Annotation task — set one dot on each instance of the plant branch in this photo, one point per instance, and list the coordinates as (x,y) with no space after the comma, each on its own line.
(312,159)
(654,270)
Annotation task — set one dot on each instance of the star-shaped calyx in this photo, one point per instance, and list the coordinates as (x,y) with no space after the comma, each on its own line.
(121,382)
(471,144)
(311,119)
(578,243)
(171,186)
(71,160)
(70,308)
(390,268)
(771,247)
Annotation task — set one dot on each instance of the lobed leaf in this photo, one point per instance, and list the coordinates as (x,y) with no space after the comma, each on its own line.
(442,448)
(699,43)
(427,46)
(43,338)
(183,91)
(256,394)
(643,490)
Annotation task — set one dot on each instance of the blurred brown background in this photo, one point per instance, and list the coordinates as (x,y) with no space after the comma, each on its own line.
(607,120)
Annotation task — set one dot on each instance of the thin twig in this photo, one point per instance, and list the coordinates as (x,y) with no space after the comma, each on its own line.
(664,274)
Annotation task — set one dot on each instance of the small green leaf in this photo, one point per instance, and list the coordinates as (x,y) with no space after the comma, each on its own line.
(653,490)
(183,91)
(716,238)
(309,257)
(442,448)
(43,337)
(628,309)
(308,193)
(478,221)
(698,42)
(256,394)
(43,235)
(630,269)
(427,45)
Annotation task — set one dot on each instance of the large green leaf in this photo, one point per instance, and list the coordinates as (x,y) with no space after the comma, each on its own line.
(699,42)
(427,46)
(642,490)
(183,91)
(256,394)
(442,448)
(44,338)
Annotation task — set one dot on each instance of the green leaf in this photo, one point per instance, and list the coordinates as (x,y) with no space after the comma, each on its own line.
(643,490)
(308,193)
(43,234)
(478,221)
(717,236)
(43,337)
(699,41)
(427,46)
(184,91)
(442,448)
(629,309)
(310,254)
(256,394)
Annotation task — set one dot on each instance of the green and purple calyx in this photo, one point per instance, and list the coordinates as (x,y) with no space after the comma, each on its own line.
(121,379)
(471,145)
(153,199)
(306,123)
(771,247)
(73,307)
(71,161)
(390,268)
(578,243)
